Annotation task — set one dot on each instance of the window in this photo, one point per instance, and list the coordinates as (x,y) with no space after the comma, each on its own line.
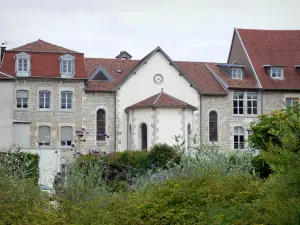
(237,73)
(238,103)
(291,101)
(22,99)
(44,99)
(239,139)
(276,72)
(66,99)
(101,125)
(66,136)
(67,66)
(213,126)
(44,135)
(252,103)
(22,64)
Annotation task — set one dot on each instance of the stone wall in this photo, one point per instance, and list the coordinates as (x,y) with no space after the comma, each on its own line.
(92,102)
(55,117)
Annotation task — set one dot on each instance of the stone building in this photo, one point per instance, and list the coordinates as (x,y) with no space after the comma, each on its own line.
(132,104)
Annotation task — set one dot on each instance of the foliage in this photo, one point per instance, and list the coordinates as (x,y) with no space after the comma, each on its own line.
(22,164)
(269,128)
(261,167)
(163,156)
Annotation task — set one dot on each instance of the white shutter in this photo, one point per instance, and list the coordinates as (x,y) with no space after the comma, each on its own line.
(22,94)
(44,134)
(66,133)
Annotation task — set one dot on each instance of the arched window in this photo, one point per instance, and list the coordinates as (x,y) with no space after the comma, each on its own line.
(213,126)
(101,132)
(189,134)
(144,136)
(239,138)
(44,135)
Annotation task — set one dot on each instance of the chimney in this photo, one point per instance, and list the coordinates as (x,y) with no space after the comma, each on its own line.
(2,52)
(124,56)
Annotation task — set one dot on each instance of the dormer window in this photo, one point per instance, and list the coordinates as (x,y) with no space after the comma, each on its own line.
(22,65)
(276,72)
(237,73)
(67,66)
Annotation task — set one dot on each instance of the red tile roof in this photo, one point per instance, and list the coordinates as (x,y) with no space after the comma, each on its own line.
(43,64)
(42,46)
(161,100)
(195,71)
(247,82)
(274,47)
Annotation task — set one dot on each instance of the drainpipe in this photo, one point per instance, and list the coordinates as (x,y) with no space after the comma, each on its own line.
(200,118)
(115,121)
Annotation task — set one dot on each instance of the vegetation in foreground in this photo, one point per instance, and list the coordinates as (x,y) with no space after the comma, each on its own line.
(202,186)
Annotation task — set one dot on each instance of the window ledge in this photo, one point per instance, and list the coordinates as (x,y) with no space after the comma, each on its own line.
(21,109)
(67,110)
(67,75)
(214,144)
(22,74)
(245,115)
(44,110)
(103,143)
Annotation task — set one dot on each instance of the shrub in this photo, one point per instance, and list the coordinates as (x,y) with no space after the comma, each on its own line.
(163,156)
(261,167)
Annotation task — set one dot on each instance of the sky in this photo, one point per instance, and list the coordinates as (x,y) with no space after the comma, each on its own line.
(188,30)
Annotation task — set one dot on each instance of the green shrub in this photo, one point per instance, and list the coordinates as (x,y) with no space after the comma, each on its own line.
(261,167)
(163,156)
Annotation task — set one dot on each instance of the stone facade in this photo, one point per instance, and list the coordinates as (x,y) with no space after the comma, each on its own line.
(92,102)
(55,117)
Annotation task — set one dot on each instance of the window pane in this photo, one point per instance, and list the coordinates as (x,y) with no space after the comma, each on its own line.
(25,102)
(254,110)
(19,103)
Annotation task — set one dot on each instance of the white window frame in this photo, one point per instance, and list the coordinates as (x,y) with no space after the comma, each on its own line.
(44,144)
(65,144)
(44,99)
(238,131)
(66,100)
(238,100)
(292,99)
(22,100)
(68,61)
(22,57)
(237,73)
(252,100)
(277,71)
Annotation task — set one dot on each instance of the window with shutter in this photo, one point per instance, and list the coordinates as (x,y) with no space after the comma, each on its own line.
(44,136)
(66,136)
(22,99)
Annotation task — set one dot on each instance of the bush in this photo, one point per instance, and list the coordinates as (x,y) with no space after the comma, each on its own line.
(164,156)
(261,167)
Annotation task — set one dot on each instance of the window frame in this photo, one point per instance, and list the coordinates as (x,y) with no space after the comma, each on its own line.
(44,144)
(66,145)
(44,99)
(252,100)
(67,62)
(216,127)
(22,57)
(22,100)
(238,100)
(238,144)
(98,138)
(65,101)
(279,72)
(292,99)
(235,74)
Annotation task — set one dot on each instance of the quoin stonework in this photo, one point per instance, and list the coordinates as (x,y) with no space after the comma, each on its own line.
(49,92)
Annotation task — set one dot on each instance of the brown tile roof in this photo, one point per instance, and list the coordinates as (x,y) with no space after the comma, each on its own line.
(202,77)
(43,64)
(161,100)
(111,66)
(274,47)
(247,82)
(42,46)
(195,71)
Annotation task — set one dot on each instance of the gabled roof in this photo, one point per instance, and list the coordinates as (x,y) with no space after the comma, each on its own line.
(247,82)
(273,47)
(42,46)
(196,73)
(161,100)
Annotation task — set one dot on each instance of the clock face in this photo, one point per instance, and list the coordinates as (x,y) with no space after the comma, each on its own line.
(158,78)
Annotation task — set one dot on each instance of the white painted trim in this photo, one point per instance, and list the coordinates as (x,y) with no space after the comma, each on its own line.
(244,48)
(67,57)
(38,98)
(22,55)
(223,84)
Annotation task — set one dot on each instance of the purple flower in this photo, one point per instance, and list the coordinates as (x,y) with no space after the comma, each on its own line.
(134,168)
(129,167)
(95,151)
(153,166)
(107,180)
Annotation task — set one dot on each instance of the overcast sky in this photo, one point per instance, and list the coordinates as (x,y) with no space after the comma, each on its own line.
(192,30)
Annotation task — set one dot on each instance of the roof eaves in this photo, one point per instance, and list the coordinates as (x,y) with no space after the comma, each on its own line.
(6,75)
(184,103)
(221,82)
(248,57)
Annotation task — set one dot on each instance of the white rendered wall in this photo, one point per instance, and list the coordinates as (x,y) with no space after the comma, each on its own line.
(141,86)
(6,113)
